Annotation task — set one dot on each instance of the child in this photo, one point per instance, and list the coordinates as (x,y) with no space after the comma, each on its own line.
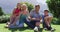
(47,20)
(15,13)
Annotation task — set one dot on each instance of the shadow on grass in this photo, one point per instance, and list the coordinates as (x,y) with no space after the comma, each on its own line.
(20,29)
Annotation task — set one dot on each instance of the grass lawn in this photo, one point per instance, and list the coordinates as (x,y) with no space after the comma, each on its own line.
(3,29)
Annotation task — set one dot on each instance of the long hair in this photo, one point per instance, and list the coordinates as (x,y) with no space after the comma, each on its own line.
(25,6)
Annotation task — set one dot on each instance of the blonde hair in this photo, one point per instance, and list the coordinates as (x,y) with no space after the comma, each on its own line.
(25,6)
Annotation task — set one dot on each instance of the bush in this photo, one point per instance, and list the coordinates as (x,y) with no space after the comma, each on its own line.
(1,12)
(54,7)
(56,21)
(4,18)
(29,5)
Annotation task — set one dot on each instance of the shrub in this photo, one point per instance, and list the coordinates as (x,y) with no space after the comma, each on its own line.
(56,21)
(4,18)
(54,7)
(1,12)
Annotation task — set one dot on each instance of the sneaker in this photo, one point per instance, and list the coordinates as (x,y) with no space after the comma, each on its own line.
(45,28)
(36,29)
(7,23)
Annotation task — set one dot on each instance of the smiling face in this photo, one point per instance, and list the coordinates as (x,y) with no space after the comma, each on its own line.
(37,8)
(18,5)
(46,12)
(24,7)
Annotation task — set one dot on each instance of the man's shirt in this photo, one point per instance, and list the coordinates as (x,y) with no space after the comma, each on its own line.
(33,14)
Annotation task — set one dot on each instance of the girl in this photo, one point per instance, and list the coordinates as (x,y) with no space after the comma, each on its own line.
(14,15)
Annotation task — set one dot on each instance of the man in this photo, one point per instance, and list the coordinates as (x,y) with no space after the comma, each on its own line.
(35,17)
(47,20)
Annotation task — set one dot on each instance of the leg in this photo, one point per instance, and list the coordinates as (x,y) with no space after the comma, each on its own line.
(37,26)
(48,21)
(15,20)
(12,18)
(44,25)
(29,24)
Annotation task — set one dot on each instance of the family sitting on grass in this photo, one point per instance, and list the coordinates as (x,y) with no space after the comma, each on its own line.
(33,19)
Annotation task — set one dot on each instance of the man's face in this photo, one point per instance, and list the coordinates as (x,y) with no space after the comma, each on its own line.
(37,8)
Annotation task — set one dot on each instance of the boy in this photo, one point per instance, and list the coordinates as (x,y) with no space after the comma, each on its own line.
(47,20)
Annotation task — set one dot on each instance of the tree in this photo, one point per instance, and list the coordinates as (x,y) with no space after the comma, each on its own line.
(1,12)
(54,7)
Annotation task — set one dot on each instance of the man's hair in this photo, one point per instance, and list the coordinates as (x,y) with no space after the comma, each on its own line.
(46,11)
(37,5)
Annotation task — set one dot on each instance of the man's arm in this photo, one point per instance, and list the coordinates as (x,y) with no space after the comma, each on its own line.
(30,18)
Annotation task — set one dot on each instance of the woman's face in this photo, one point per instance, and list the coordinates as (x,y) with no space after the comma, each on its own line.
(24,7)
(19,5)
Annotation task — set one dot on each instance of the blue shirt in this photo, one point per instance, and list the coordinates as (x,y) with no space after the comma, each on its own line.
(33,14)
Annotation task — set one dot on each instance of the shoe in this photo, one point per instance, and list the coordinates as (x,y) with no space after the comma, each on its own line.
(36,29)
(45,28)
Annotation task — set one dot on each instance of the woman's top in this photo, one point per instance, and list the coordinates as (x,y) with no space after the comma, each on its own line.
(23,16)
(17,11)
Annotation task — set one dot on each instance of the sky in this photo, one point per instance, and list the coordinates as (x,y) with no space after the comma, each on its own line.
(9,5)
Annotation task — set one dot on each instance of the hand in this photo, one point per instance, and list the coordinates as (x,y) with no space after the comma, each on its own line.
(37,19)
(33,18)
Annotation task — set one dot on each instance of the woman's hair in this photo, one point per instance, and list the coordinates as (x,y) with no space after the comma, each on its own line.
(25,6)
(18,4)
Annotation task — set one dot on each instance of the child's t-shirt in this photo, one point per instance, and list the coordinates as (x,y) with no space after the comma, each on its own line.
(46,15)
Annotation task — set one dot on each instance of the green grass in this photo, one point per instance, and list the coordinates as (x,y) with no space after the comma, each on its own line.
(3,29)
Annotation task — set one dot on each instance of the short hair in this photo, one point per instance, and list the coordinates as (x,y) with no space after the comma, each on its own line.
(46,11)
(37,5)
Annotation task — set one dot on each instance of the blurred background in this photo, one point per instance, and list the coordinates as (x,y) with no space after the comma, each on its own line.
(7,6)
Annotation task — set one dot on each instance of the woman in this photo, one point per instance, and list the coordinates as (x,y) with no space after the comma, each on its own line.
(23,15)
(14,15)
